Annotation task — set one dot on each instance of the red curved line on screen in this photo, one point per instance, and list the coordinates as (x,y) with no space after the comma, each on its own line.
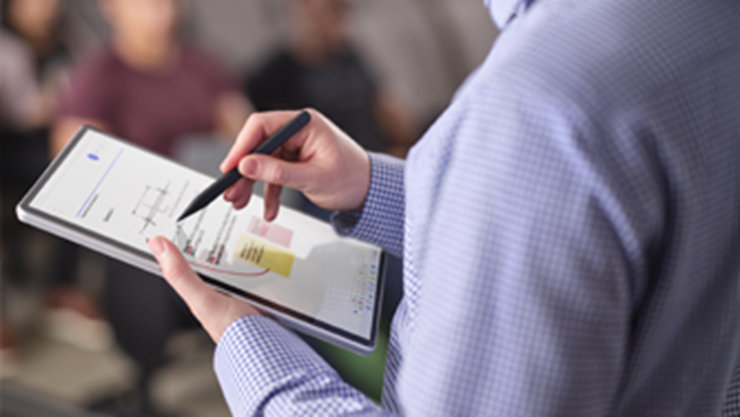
(225,271)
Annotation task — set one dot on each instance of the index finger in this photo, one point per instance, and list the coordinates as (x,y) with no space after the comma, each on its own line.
(259,126)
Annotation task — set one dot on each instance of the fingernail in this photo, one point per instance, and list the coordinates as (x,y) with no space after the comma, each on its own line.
(156,246)
(248,167)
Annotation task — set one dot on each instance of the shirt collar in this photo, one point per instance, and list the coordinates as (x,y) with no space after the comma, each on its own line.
(503,10)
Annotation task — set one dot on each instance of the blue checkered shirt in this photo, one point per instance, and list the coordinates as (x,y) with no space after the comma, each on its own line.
(570,229)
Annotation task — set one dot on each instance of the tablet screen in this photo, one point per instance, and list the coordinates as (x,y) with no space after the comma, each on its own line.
(296,264)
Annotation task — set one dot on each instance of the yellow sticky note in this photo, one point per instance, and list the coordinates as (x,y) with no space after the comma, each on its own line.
(265,255)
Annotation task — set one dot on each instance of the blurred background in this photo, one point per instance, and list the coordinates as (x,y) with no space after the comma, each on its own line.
(81,335)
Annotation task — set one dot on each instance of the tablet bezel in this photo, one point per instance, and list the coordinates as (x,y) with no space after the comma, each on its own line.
(147,262)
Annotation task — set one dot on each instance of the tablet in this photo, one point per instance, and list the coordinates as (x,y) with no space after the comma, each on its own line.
(111,196)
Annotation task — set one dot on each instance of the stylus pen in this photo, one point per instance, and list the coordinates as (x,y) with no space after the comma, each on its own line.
(228,179)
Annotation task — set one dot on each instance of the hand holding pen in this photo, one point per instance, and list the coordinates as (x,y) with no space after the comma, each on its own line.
(228,179)
(320,160)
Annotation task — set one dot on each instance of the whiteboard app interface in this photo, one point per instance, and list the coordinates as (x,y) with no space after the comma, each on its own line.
(119,191)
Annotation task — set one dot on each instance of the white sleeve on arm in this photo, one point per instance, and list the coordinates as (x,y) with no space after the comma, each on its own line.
(381,220)
(265,369)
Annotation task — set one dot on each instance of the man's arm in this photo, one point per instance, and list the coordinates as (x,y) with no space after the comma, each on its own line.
(530,263)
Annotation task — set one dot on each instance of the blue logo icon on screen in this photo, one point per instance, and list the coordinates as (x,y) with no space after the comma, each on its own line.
(93,157)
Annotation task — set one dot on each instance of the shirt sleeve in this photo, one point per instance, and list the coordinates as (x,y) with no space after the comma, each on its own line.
(381,220)
(265,369)
(531,261)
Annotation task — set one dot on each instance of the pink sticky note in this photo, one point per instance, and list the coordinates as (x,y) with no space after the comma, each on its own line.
(270,231)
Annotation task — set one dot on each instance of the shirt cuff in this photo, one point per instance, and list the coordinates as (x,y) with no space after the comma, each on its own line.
(263,367)
(381,220)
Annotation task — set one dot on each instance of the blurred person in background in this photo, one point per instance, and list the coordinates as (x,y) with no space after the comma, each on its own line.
(319,68)
(146,85)
(39,24)
(34,72)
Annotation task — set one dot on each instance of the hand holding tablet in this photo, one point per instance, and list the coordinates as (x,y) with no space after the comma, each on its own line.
(214,310)
(112,196)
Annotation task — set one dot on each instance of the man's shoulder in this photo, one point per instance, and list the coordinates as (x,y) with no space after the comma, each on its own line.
(609,53)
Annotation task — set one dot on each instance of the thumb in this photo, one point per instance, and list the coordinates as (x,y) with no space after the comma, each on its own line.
(179,275)
(273,170)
